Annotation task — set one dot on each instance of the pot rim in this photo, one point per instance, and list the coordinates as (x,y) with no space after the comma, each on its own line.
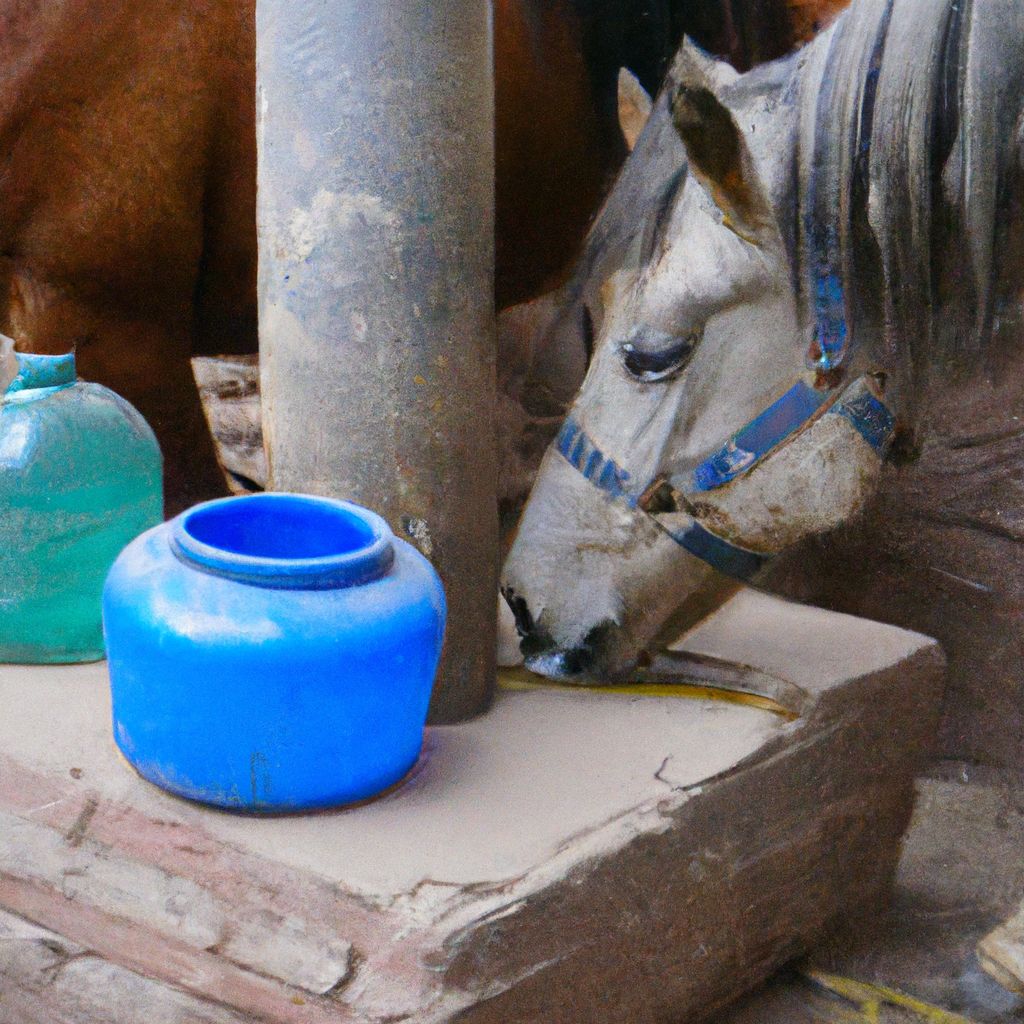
(347,568)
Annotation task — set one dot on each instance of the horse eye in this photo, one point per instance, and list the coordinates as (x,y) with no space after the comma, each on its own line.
(658,365)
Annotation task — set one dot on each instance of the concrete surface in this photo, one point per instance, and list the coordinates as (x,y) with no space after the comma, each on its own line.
(560,761)
(572,856)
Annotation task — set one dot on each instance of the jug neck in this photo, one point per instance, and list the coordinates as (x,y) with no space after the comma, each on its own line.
(40,374)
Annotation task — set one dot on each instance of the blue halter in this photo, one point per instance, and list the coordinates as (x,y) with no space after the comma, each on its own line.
(784,418)
(778,424)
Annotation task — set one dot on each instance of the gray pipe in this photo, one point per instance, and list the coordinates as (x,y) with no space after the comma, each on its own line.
(377,351)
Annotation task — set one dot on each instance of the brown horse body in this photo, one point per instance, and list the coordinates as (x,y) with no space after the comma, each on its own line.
(126,198)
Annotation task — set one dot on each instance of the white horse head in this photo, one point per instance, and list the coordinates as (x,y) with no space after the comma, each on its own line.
(744,384)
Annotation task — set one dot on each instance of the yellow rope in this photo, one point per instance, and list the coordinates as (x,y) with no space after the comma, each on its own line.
(519,679)
(870,999)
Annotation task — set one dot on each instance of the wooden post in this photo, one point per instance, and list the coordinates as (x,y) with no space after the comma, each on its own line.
(377,352)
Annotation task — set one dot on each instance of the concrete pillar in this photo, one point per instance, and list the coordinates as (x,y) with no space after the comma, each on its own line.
(377,350)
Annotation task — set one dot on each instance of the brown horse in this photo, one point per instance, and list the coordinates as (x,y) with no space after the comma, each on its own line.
(127,185)
(126,198)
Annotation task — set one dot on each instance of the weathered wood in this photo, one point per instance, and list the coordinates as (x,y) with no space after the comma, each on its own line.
(229,389)
(46,979)
(573,855)
(961,872)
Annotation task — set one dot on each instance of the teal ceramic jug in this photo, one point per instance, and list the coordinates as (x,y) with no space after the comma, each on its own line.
(80,477)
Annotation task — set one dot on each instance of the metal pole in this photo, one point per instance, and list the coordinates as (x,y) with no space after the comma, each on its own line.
(377,351)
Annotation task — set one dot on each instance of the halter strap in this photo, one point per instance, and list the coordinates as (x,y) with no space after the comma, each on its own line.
(582,453)
(761,435)
(783,418)
(870,417)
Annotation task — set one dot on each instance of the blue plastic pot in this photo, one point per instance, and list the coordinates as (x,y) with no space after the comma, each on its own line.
(272,653)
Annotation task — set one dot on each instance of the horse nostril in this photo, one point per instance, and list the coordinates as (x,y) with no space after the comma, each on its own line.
(577,660)
(524,620)
(544,656)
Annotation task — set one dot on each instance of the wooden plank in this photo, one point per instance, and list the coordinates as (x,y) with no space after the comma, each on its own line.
(47,979)
(1001,953)
(229,389)
(203,973)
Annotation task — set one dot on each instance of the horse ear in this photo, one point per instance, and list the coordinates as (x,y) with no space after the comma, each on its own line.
(634,107)
(718,153)
(697,66)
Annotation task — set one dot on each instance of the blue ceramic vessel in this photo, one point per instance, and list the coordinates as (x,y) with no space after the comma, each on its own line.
(272,653)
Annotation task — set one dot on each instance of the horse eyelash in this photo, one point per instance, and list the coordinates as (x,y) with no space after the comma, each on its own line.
(654,366)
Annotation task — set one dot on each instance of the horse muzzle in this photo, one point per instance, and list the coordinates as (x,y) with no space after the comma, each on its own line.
(591,580)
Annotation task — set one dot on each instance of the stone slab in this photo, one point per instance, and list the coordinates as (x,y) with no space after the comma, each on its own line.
(571,856)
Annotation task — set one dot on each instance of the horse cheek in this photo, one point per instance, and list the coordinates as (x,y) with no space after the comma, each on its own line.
(820,480)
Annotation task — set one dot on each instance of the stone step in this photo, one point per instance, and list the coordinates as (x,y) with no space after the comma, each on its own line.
(574,855)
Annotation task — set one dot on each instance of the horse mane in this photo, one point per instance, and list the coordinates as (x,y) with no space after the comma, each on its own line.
(907,137)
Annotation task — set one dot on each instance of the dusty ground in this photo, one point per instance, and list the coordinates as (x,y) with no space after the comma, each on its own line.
(962,873)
